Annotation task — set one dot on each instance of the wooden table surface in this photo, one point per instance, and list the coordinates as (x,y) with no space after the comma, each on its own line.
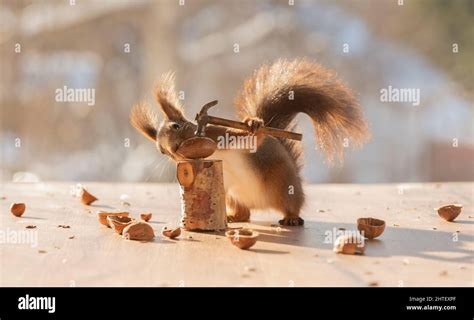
(417,248)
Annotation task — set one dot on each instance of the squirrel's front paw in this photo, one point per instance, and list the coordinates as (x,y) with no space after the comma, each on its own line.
(254,124)
(291,221)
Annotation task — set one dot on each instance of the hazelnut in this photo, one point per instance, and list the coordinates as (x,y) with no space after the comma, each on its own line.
(118,223)
(349,244)
(17,209)
(196,148)
(102,216)
(171,233)
(86,197)
(140,231)
(243,238)
(370,228)
(450,211)
(145,216)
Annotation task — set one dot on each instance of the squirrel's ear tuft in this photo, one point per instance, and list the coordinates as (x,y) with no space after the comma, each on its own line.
(166,97)
(144,120)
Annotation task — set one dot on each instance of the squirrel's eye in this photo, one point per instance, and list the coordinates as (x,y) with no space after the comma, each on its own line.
(175,126)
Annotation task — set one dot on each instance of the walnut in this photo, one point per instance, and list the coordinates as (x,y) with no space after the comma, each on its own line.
(140,231)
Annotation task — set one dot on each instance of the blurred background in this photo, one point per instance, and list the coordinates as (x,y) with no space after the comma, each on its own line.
(120,48)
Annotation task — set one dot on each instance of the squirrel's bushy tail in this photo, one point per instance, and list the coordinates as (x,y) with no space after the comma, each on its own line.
(277,93)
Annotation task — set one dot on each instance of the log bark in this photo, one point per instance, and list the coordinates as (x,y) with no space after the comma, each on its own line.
(202,195)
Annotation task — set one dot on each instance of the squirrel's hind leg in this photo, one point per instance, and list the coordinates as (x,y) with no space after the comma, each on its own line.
(290,204)
(291,214)
(291,221)
(236,212)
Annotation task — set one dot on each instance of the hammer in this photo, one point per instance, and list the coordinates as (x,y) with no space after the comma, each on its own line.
(202,119)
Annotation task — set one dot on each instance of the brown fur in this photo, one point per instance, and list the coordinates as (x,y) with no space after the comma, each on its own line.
(236,212)
(144,120)
(317,92)
(165,95)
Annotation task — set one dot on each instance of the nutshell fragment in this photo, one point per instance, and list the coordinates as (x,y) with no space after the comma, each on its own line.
(86,197)
(450,211)
(349,244)
(17,209)
(140,231)
(171,233)
(371,228)
(243,239)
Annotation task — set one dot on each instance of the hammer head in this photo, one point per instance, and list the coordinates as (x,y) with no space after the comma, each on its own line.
(202,118)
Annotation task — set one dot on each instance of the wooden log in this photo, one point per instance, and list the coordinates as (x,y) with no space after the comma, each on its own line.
(202,195)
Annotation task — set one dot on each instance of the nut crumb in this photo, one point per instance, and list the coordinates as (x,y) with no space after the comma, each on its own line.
(64,226)
(373,284)
(30,226)
(42,251)
(124,196)
(72,237)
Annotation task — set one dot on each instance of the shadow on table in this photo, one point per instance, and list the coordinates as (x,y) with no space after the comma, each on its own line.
(395,241)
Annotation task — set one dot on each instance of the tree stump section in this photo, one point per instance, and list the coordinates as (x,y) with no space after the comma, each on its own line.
(202,195)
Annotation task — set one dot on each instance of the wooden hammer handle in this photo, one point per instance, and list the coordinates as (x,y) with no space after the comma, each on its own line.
(278,133)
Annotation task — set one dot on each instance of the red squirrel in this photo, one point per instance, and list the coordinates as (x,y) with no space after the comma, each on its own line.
(272,96)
